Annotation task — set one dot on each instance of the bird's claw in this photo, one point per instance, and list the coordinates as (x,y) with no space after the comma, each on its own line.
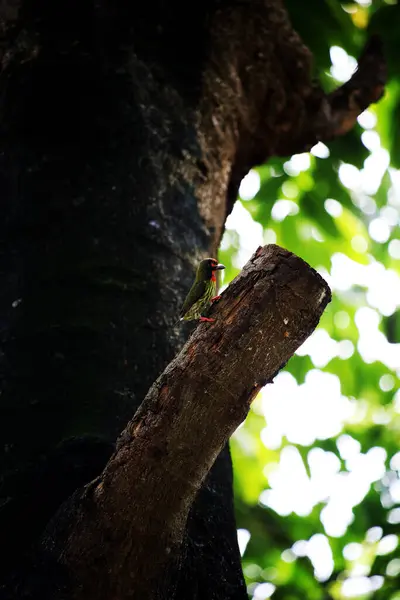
(206,319)
(216,298)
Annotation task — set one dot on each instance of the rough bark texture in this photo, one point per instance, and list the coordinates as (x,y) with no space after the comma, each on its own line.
(124,133)
(141,502)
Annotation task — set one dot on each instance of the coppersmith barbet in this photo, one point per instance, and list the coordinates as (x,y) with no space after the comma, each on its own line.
(202,292)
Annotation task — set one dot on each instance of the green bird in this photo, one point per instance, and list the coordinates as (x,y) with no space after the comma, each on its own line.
(202,292)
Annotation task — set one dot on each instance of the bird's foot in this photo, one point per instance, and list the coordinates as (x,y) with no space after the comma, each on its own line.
(216,298)
(206,319)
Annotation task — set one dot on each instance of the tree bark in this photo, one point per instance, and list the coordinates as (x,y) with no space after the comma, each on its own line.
(123,139)
(141,501)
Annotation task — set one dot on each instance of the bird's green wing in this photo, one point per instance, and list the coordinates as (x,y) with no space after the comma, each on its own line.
(197,290)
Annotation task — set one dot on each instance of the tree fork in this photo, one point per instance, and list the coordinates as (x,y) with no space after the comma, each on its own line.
(140,503)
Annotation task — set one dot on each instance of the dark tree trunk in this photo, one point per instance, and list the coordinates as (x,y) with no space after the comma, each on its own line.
(125,131)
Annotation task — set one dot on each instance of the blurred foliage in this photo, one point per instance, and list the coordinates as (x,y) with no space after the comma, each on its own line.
(341,214)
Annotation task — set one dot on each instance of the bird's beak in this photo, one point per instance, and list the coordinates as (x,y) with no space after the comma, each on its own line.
(219,267)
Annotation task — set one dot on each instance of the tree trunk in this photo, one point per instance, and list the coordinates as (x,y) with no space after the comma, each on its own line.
(125,132)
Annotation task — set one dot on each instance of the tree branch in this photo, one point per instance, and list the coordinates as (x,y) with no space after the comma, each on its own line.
(261,100)
(131,520)
(337,112)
